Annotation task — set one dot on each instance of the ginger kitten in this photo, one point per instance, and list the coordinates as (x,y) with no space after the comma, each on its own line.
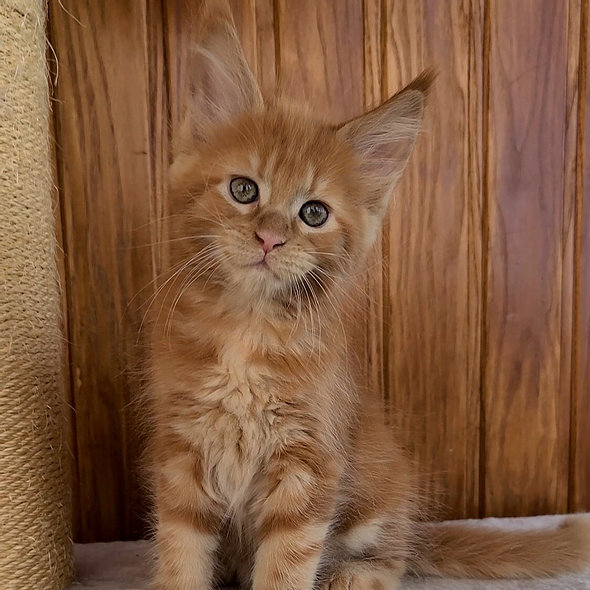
(266,464)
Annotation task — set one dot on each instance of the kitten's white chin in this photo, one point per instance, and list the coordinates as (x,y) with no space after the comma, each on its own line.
(258,279)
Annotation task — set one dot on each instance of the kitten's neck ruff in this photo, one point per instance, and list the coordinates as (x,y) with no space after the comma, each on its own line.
(276,326)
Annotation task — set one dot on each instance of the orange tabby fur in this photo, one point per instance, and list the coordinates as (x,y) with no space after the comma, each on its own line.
(266,463)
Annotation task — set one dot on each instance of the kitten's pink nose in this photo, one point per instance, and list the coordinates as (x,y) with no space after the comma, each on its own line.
(268,240)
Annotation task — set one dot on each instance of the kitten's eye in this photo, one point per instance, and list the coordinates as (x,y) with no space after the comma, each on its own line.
(314,213)
(243,190)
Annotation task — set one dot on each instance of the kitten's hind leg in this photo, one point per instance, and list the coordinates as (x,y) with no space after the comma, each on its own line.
(366,554)
(365,574)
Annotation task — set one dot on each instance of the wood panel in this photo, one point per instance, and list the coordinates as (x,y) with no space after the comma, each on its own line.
(580,428)
(526,410)
(432,266)
(109,172)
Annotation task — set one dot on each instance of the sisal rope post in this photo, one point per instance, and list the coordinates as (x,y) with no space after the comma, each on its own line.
(35,544)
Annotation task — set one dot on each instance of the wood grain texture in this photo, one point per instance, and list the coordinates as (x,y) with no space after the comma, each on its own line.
(526,411)
(108,185)
(432,267)
(580,428)
(321,55)
(256,28)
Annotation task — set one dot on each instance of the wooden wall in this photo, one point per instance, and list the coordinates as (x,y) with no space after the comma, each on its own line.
(477,330)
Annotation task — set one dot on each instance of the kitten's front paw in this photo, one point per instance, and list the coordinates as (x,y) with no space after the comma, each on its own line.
(362,577)
(351,581)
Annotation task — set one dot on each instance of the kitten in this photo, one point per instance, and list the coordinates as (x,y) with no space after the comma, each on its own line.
(266,464)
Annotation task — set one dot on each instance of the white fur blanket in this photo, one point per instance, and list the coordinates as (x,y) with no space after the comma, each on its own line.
(125,566)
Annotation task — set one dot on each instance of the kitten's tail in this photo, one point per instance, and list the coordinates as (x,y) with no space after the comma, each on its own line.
(476,552)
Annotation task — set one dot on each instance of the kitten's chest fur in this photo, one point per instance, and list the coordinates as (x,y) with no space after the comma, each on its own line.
(238,422)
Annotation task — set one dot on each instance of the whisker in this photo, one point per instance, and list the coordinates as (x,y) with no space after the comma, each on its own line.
(196,236)
(336,311)
(152,299)
(164,272)
(156,220)
(206,264)
(193,260)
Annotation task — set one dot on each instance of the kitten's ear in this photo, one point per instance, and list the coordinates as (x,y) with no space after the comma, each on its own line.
(384,138)
(221,86)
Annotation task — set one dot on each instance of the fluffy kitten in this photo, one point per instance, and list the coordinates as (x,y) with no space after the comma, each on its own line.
(266,463)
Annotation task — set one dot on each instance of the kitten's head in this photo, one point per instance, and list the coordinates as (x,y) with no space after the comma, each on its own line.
(275,204)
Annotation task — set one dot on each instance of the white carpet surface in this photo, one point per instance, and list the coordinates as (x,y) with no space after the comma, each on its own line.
(126,566)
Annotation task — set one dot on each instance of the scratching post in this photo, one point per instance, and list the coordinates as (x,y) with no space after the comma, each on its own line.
(35,545)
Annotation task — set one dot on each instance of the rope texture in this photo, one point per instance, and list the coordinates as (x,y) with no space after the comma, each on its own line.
(35,544)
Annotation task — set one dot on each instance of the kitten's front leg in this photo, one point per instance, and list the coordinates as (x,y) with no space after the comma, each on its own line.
(294,520)
(185,556)
(187,534)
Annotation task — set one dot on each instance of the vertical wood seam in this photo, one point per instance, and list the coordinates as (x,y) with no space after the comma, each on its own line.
(364,3)
(365,108)
(68,295)
(484,257)
(572,301)
(167,70)
(276,27)
(152,126)
(474,90)
(383,49)
(578,227)
(566,257)
(385,241)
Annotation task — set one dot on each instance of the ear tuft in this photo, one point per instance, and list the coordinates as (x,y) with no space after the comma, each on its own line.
(423,83)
